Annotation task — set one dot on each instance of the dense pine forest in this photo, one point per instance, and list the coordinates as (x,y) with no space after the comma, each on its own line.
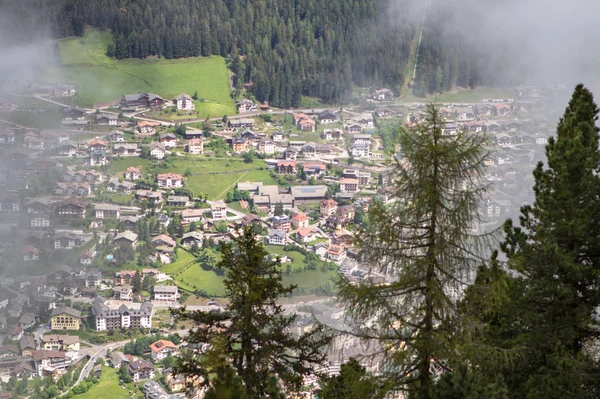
(281,49)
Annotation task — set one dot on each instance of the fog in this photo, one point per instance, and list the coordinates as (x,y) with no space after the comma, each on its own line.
(531,41)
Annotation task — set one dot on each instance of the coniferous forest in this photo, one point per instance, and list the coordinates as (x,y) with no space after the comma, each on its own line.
(280,49)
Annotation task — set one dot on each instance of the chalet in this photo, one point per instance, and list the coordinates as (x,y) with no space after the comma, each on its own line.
(164,240)
(169,180)
(107,119)
(239,145)
(177,200)
(336,253)
(266,147)
(67,240)
(504,140)
(332,134)
(192,215)
(382,95)
(124,277)
(484,110)
(141,100)
(125,187)
(218,210)
(166,293)
(309,150)
(353,128)
(195,146)
(281,223)
(191,238)
(7,137)
(157,150)
(73,209)
(503,109)
(277,237)
(30,253)
(300,220)
(74,116)
(147,127)
(306,234)
(96,158)
(123,293)
(161,349)
(116,137)
(133,173)
(240,123)
(361,151)
(140,370)
(192,134)
(246,105)
(278,137)
(39,221)
(264,106)
(307,125)
(286,167)
(183,102)
(126,150)
(126,238)
(86,257)
(106,211)
(327,117)
(346,212)
(314,168)
(328,207)
(349,185)
(464,114)
(169,140)
(290,154)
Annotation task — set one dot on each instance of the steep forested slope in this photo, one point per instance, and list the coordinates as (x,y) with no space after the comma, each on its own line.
(281,49)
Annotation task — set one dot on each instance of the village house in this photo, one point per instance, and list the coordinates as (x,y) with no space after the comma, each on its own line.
(348,185)
(141,100)
(246,105)
(301,194)
(336,253)
(123,293)
(219,210)
(195,146)
(126,238)
(183,102)
(191,238)
(166,293)
(169,140)
(126,150)
(133,173)
(67,240)
(61,343)
(503,109)
(107,119)
(140,370)
(464,114)
(177,201)
(164,240)
(39,221)
(7,136)
(65,318)
(281,223)
(124,277)
(169,180)
(277,237)
(93,278)
(306,234)
(332,134)
(147,128)
(484,110)
(96,157)
(300,220)
(161,349)
(73,209)
(266,147)
(192,215)
(286,167)
(327,117)
(107,211)
(382,95)
(306,124)
(278,137)
(239,145)
(74,116)
(30,253)
(157,150)
(240,123)
(328,207)
(116,137)
(314,168)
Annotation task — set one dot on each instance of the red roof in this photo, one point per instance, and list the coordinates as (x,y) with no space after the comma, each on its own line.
(164,176)
(147,123)
(349,181)
(329,203)
(335,249)
(30,249)
(286,163)
(162,344)
(304,231)
(300,217)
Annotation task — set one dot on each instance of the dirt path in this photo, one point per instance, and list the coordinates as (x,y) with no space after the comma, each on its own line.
(233,185)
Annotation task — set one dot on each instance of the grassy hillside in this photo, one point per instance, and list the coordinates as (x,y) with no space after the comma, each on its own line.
(99,78)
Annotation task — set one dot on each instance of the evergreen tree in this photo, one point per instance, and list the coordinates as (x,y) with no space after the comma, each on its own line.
(253,333)
(136,282)
(422,242)
(548,315)
(278,211)
(352,382)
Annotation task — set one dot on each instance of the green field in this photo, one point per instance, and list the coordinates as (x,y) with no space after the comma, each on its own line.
(118,165)
(217,185)
(108,387)
(100,78)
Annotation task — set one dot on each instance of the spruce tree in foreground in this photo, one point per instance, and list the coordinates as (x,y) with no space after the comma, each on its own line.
(547,314)
(422,240)
(252,335)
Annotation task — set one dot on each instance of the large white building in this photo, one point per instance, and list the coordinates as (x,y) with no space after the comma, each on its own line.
(114,315)
(185,102)
(166,293)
